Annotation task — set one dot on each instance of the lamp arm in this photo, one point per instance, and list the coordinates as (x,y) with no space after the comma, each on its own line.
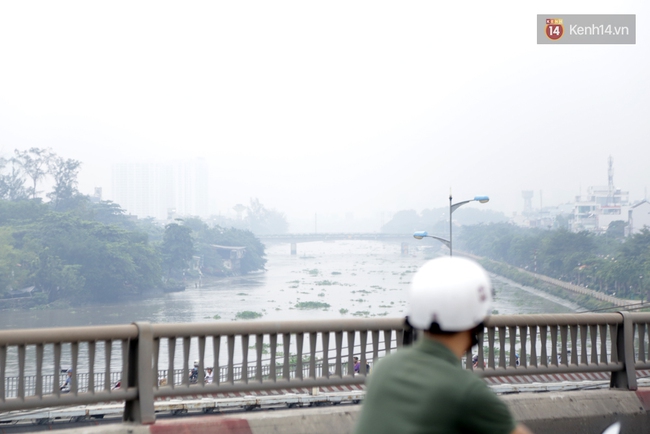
(455,206)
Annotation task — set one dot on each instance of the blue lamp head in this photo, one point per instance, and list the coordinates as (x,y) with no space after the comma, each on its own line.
(420,234)
(482,199)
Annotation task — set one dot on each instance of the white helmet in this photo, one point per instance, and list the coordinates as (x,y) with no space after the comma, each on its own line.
(196,363)
(454,292)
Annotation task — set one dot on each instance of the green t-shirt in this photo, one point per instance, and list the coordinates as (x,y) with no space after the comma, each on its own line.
(424,389)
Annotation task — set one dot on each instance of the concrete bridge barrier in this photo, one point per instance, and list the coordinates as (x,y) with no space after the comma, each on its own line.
(613,345)
(588,412)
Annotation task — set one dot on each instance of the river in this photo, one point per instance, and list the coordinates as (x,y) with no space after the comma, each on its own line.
(364,278)
(352,279)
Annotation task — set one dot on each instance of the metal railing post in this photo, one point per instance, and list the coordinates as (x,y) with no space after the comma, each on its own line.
(140,374)
(626,378)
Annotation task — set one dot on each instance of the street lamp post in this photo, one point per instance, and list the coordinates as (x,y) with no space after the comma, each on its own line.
(452,207)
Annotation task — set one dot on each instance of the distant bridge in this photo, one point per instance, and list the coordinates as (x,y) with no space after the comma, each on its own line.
(301,238)
(294,239)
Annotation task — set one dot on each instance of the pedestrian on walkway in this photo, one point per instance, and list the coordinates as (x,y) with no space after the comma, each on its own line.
(65,387)
(208,375)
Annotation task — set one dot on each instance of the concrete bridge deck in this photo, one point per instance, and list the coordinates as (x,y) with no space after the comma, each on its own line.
(588,411)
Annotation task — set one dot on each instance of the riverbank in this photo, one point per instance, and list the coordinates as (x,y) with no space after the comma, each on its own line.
(18,303)
(586,298)
(38,301)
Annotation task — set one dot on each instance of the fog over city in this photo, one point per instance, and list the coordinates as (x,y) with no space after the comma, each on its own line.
(332,108)
(257,193)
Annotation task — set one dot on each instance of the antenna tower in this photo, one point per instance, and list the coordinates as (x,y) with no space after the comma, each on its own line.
(610,175)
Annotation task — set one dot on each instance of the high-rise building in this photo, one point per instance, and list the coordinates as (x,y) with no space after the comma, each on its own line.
(152,189)
(191,192)
(600,206)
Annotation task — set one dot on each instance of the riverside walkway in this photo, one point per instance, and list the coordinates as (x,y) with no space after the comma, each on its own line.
(621,302)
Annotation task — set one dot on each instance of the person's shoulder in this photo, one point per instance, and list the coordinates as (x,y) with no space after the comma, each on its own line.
(399,354)
(492,415)
(475,387)
(464,381)
(393,359)
(469,378)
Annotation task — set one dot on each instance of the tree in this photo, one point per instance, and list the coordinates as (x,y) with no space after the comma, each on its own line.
(57,279)
(253,259)
(64,172)
(146,261)
(561,252)
(14,262)
(616,229)
(562,222)
(601,262)
(12,184)
(207,237)
(73,254)
(405,221)
(20,212)
(108,212)
(35,163)
(177,248)
(261,220)
(436,220)
(637,247)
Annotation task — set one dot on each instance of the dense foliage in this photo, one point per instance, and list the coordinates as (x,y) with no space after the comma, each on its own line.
(68,257)
(208,238)
(436,221)
(608,263)
(255,218)
(75,249)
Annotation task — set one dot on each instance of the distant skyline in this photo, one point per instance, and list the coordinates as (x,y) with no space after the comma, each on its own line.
(331,108)
(161,190)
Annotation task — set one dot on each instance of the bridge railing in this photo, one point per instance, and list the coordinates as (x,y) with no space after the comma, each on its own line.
(285,355)
(291,349)
(50,382)
(567,343)
(254,356)
(51,341)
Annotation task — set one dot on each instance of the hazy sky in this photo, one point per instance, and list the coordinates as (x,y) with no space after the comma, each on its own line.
(331,107)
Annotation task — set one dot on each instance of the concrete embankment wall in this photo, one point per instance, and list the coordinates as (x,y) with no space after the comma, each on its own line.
(588,412)
(581,290)
(17,303)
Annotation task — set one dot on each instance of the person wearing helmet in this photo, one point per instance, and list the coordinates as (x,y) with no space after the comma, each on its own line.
(194,373)
(423,388)
(65,387)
